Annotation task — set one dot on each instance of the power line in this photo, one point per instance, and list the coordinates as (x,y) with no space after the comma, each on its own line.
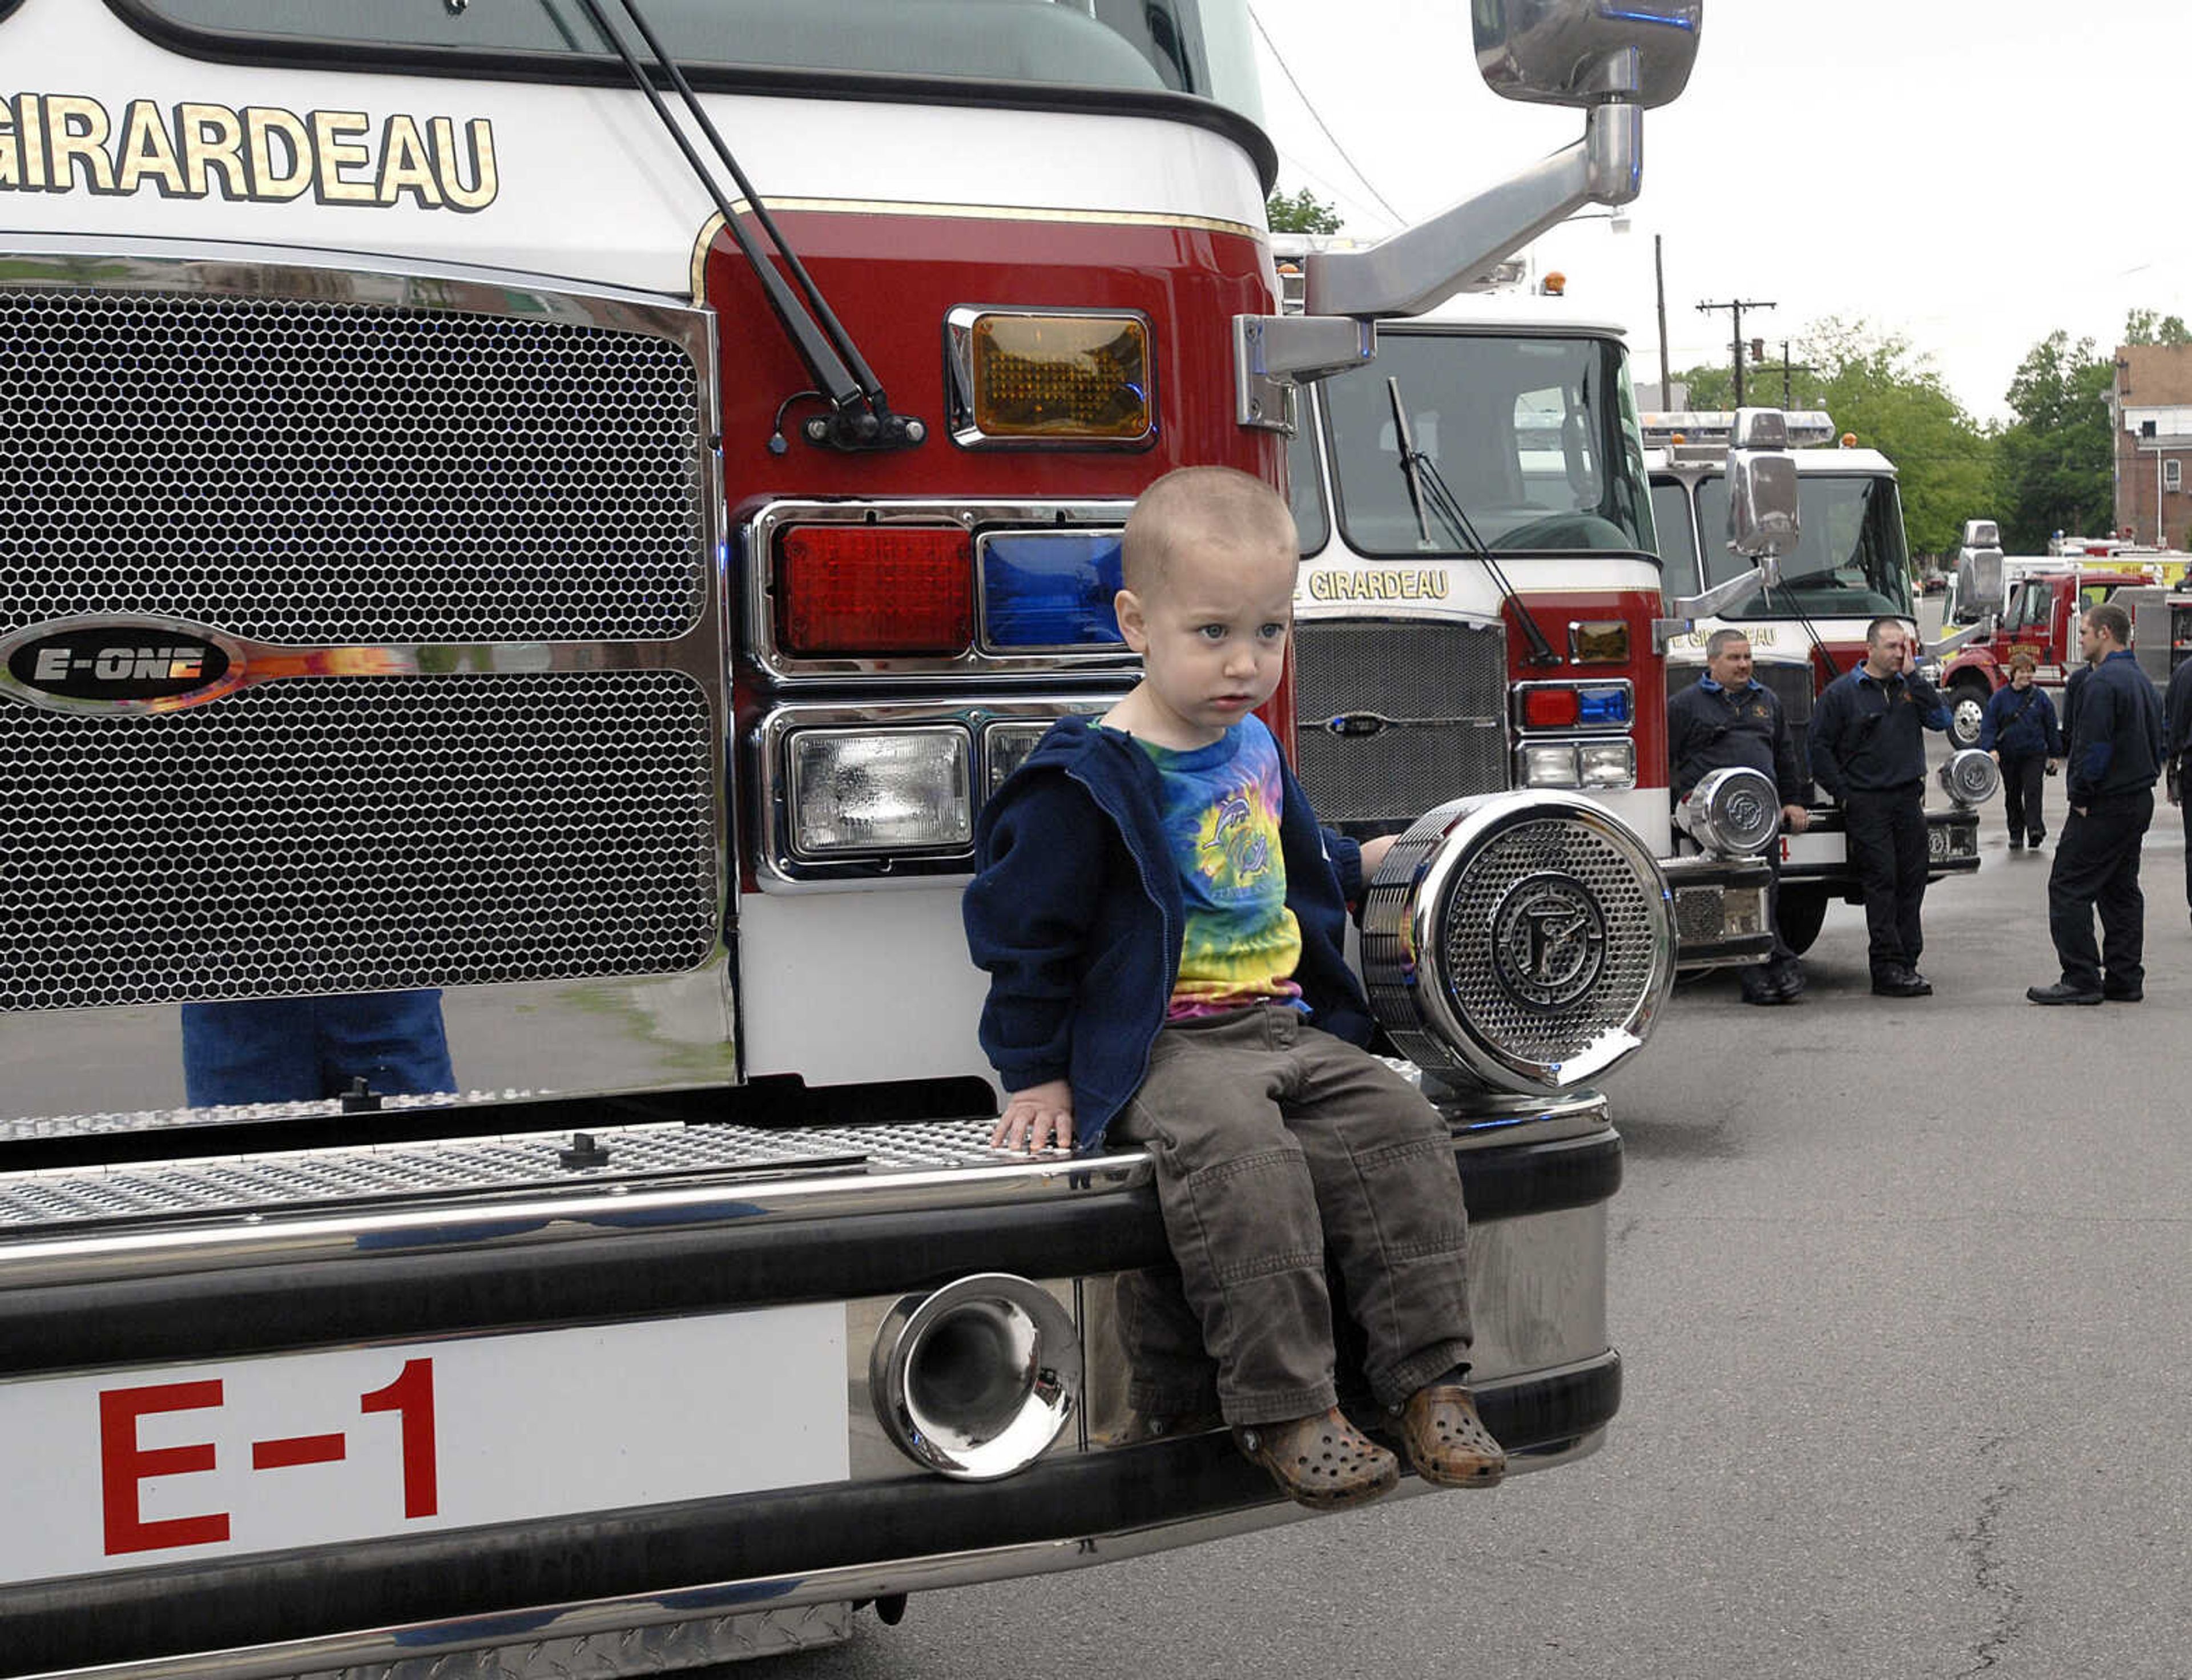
(1279,59)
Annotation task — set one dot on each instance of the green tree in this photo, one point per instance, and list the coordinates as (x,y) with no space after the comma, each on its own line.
(2143,326)
(1301,212)
(1879,387)
(2055,468)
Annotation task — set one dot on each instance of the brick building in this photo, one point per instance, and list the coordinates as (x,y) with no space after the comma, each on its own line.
(2150,412)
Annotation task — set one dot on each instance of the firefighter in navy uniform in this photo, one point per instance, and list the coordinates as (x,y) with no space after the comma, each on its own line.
(2114,720)
(2177,715)
(1725,719)
(1868,753)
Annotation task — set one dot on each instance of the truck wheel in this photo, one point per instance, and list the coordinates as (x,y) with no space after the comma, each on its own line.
(1803,909)
(1967,705)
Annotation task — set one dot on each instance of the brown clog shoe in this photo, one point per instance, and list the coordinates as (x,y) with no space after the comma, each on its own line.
(1323,1462)
(1446,1442)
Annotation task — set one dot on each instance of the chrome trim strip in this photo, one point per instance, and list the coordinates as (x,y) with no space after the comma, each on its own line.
(777,868)
(425,1643)
(116,263)
(604,1207)
(251,663)
(595,1213)
(791,669)
(959,380)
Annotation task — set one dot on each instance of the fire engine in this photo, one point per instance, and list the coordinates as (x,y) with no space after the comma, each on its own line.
(1513,645)
(2039,617)
(1850,565)
(529,535)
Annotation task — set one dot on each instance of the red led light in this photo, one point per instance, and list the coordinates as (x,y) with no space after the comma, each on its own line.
(874,589)
(1550,708)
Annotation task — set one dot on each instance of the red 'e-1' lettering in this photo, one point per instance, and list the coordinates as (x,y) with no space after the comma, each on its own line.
(411,1398)
(123,1465)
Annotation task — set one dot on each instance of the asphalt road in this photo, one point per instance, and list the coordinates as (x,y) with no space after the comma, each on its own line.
(1904,1290)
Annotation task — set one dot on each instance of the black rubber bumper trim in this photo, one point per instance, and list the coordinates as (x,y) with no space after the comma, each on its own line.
(146,1615)
(641,1272)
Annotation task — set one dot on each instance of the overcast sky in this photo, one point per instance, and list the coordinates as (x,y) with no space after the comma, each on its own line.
(1970,174)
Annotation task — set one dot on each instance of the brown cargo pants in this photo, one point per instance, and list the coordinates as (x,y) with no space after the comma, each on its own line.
(1276,1142)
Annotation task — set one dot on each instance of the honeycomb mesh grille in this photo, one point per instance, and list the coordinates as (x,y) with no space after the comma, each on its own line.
(1440,691)
(1628,903)
(305,472)
(357,834)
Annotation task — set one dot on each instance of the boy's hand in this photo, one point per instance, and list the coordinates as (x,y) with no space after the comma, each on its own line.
(1373,853)
(1035,1116)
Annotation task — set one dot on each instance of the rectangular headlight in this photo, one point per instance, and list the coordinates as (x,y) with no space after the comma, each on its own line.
(857,791)
(1549,764)
(1005,748)
(1607,763)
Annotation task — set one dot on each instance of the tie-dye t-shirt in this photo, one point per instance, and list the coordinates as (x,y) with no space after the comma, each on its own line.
(1221,812)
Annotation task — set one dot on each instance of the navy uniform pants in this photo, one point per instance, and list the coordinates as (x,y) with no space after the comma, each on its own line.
(1886,834)
(2022,780)
(2096,869)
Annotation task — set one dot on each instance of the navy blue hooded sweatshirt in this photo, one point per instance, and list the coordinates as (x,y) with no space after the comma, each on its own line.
(1076,912)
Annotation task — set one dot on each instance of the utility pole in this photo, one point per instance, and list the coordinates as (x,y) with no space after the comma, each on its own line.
(1736,307)
(1659,278)
(1788,397)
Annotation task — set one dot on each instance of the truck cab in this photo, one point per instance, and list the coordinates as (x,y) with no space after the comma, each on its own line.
(2040,620)
(1852,565)
(1431,667)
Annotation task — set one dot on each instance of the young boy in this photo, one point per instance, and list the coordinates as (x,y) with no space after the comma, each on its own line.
(1162,920)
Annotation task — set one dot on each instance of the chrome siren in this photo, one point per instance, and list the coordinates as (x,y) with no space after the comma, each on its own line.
(1970,777)
(976,1380)
(1523,940)
(1733,812)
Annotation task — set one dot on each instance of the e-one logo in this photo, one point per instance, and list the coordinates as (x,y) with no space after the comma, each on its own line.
(119,665)
(116,664)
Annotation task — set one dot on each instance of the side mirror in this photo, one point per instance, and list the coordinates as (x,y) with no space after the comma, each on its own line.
(1981,591)
(1585,52)
(1763,522)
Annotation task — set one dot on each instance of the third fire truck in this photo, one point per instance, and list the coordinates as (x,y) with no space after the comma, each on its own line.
(1852,565)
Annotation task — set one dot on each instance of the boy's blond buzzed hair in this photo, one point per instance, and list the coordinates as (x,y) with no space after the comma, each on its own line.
(1194,506)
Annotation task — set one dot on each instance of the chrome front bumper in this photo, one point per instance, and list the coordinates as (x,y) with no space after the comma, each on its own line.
(1720,909)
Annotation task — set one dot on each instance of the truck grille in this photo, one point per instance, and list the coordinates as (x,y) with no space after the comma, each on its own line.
(1426,710)
(480,498)
(357,835)
(294,470)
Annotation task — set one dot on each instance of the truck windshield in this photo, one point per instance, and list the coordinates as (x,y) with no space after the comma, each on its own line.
(1850,562)
(1537,439)
(1186,46)
(1678,534)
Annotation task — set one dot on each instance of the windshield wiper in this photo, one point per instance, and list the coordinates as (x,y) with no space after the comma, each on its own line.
(1427,489)
(1797,607)
(859,416)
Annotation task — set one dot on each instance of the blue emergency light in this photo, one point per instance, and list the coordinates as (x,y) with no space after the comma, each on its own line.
(1050,589)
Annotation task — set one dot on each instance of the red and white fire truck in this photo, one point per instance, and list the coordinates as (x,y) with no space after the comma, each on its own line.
(1512,646)
(558,516)
(2041,609)
(1850,565)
